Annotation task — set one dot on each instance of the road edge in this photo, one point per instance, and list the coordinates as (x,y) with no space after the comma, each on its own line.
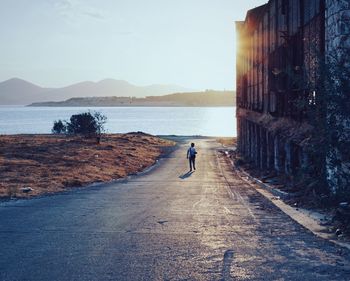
(295,214)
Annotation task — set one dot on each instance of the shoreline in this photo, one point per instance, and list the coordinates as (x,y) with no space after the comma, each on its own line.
(129,105)
(123,105)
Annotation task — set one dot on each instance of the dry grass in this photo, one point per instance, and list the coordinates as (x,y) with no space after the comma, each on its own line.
(49,163)
(227,141)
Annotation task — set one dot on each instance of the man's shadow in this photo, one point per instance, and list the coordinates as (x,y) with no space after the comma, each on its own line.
(186,175)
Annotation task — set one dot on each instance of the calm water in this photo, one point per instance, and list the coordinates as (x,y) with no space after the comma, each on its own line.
(206,121)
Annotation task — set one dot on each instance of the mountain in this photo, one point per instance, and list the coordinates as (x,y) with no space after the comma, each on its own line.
(19,92)
(111,87)
(207,98)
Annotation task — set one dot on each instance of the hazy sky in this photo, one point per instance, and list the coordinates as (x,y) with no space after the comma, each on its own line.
(59,42)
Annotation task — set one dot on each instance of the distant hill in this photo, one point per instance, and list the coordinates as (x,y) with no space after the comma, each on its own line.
(207,98)
(17,91)
(20,92)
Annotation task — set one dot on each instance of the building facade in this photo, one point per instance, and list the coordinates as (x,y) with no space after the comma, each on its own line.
(280,49)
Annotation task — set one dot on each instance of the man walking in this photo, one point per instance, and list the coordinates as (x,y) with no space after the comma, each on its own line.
(191,155)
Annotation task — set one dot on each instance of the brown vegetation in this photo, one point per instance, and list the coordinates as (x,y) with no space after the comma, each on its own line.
(50,163)
(228,141)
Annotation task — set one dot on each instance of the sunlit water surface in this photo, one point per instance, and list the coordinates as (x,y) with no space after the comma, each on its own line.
(205,121)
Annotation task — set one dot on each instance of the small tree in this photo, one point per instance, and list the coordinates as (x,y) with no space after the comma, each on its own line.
(100,121)
(81,124)
(59,127)
(88,124)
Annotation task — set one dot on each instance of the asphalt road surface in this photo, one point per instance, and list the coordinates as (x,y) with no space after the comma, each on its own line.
(164,225)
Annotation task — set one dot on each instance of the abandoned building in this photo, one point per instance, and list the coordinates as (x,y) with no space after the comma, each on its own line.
(279,44)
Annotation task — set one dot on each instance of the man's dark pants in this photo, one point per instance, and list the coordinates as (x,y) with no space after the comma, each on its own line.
(192,160)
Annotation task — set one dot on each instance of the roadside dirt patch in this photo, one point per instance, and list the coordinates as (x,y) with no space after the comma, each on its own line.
(227,141)
(50,163)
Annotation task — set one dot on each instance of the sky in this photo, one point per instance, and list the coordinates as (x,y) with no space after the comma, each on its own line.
(54,43)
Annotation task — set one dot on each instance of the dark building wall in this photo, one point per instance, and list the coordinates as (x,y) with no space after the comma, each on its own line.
(279,45)
(338,45)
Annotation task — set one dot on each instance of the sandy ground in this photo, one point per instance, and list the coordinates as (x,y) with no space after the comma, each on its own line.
(48,163)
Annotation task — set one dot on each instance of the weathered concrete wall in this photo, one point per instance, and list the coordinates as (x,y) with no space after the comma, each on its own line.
(338,51)
(338,29)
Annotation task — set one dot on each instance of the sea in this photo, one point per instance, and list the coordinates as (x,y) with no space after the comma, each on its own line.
(183,121)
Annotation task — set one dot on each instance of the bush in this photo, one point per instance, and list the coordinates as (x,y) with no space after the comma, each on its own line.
(59,127)
(88,124)
(81,124)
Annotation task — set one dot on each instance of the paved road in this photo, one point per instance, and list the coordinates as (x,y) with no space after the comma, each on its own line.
(164,225)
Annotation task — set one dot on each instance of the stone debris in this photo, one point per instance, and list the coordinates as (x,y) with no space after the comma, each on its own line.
(338,232)
(26,189)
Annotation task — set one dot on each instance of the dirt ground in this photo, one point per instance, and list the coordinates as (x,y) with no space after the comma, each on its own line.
(228,141)
(51,163)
